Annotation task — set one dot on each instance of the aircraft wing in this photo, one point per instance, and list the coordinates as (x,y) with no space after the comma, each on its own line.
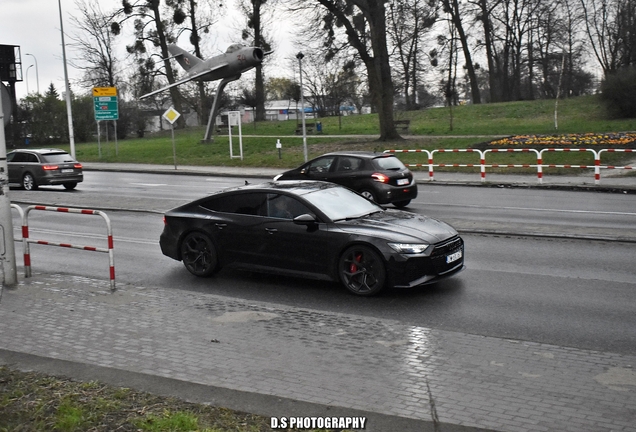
(184,80)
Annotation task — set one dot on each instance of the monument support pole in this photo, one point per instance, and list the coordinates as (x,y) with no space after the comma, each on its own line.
(219,91)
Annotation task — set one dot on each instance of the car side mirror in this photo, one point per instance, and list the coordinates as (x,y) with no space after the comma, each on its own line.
(305,219)
(304,171)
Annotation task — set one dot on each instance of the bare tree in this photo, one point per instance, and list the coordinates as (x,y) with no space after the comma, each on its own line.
(357,25)
(150,29)
(95,42)
(255,30)
(408,21)
(196,18)
(611,29)
(557,38)
(508,27)
(452,7)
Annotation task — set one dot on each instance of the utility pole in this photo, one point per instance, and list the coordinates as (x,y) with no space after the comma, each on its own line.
(69,112)
(7,247)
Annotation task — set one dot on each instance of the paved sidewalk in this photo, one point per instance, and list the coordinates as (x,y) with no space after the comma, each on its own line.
(261,357)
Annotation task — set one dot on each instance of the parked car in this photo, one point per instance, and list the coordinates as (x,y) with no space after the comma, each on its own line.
(31,168)
(312,229)
(379,177)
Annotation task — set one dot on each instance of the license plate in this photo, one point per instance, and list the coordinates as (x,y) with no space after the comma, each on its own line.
(402,182)
(67,170)
(453,257)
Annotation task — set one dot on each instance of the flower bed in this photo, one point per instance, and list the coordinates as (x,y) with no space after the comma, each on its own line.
(600,140)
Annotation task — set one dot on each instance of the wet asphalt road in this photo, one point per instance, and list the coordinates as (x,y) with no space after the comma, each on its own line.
(557,290)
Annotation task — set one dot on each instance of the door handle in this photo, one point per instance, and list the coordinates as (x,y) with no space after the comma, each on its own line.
(271,230)
(220,225)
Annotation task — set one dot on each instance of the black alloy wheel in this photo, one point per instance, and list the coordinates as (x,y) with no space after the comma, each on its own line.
(199,255)
(362,270)
(28,182)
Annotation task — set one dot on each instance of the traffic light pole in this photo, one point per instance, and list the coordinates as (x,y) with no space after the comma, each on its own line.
(7,248)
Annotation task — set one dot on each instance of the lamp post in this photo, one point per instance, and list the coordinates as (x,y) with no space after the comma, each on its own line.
(69,112)
(27,78)
(37,72)
(300,56)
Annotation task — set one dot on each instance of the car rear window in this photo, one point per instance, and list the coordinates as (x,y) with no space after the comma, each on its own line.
(253,204)
(389,163)
(57,157)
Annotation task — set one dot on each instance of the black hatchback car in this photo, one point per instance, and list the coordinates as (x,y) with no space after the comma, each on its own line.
(379,177)
(31,168)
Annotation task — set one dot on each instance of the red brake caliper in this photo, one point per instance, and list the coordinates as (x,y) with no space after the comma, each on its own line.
(353,267)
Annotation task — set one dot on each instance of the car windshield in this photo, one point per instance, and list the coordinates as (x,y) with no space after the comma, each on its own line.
(341,204)
(390,163)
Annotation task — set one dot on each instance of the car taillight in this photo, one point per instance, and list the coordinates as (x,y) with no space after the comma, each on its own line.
(379,177)
(50,167)
(78,166)
(164,221)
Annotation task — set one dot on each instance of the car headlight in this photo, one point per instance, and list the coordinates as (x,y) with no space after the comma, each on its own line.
(277,177)
(409,248)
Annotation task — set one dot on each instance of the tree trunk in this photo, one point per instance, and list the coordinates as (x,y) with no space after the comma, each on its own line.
(378,69)
(174,92)
(470,67)
(259,85)
(375,14)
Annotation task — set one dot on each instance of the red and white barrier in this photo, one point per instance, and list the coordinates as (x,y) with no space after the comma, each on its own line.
(26,240)
(539,165)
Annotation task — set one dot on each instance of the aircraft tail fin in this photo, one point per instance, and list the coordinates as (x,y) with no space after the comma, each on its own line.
(184,58)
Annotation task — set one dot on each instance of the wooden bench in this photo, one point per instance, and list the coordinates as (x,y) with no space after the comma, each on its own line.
(402,125)
(309,127)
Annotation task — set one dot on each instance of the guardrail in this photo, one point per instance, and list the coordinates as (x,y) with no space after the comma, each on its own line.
(26,240)
(539,165)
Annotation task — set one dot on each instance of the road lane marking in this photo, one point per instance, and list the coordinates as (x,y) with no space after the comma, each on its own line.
(534,209)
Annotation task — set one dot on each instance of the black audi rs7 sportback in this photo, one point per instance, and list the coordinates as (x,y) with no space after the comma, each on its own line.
(312,229)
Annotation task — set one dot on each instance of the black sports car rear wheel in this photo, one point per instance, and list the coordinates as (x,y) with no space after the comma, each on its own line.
(362,270)
(198,254)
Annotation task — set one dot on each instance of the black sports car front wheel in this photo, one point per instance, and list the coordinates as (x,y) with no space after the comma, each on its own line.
(198,254)
(362,270)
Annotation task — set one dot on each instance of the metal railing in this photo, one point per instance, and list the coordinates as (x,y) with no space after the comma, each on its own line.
(539,155)
(26,240)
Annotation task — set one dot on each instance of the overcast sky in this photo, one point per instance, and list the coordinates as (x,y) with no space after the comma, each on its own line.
(34,25)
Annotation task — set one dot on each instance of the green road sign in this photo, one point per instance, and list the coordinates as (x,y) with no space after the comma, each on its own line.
(106,107)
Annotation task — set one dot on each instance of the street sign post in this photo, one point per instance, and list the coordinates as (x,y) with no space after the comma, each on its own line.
(106,105)
(171,115)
